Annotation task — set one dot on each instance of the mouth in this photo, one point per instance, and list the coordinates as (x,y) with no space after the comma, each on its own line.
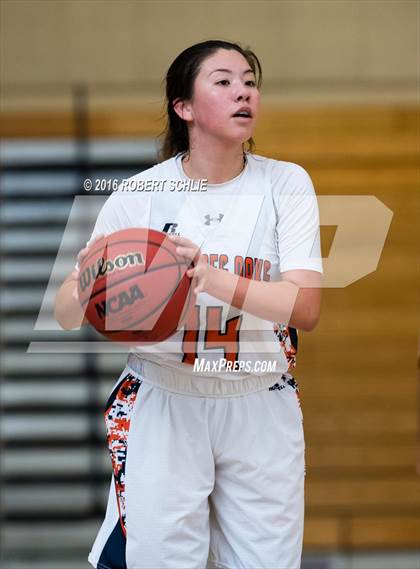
(243,113)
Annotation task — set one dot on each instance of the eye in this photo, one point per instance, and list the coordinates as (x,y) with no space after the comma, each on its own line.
(250,82)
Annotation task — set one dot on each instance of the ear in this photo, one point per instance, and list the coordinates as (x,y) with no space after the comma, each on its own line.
(182,109)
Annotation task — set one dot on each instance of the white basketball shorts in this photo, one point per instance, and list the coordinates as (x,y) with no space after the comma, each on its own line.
(200,481)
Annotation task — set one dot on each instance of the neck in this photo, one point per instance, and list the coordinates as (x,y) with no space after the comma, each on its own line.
(214,166)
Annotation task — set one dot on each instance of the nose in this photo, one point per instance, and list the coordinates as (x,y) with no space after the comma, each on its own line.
(243,97)
(243,92)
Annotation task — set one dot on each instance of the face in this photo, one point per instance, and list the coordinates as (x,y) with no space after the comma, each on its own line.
(224,85)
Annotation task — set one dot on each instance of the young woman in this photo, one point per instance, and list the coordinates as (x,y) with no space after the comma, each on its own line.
(208,459)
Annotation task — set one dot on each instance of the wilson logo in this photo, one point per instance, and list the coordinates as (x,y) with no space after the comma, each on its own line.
(118,302)
(107,266)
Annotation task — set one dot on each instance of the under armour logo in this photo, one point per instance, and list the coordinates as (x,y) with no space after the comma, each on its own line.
(209,219)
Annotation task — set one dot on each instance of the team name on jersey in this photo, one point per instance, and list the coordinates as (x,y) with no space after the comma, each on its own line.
(249,267)
(104,266)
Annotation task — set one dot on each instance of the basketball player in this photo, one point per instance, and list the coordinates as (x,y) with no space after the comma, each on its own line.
(208,462)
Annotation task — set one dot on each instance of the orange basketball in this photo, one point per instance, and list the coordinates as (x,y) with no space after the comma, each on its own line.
(133,286)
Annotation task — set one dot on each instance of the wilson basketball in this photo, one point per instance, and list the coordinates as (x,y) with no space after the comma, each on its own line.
(133,286)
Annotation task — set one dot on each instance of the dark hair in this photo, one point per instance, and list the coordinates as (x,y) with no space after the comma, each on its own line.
(180,83)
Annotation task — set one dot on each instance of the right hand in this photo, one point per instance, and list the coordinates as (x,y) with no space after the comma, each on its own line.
(74,275)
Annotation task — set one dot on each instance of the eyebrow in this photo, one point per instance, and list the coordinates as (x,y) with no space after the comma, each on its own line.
(230,71)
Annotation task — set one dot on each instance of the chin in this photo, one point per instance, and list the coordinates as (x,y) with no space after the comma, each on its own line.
(237,138)
(240,139)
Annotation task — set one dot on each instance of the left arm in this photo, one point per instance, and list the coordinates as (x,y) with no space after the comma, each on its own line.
(307,307)
(295,300)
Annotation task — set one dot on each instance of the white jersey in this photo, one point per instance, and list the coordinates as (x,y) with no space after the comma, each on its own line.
(260,224)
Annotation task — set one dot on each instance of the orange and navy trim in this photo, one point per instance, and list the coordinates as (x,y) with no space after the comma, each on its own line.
(288,340)
(117,420)
(287,379)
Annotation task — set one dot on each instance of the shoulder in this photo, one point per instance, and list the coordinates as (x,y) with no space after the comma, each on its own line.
(159,171)
(286,178)
(279,169)
(124,207)
(133,188)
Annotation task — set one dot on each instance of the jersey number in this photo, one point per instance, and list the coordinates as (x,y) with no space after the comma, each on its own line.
(213,336)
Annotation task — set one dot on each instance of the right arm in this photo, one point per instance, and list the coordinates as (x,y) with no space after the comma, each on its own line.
(118,212)
(67,308)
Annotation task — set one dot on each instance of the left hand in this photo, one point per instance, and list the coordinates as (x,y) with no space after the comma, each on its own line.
(192,254)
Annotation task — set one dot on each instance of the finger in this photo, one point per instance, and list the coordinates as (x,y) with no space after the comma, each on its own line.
(178,240)
(194,273)
(82,254)
(187,252)
(198,289)
(183,242)
(196,284)
(183,251)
